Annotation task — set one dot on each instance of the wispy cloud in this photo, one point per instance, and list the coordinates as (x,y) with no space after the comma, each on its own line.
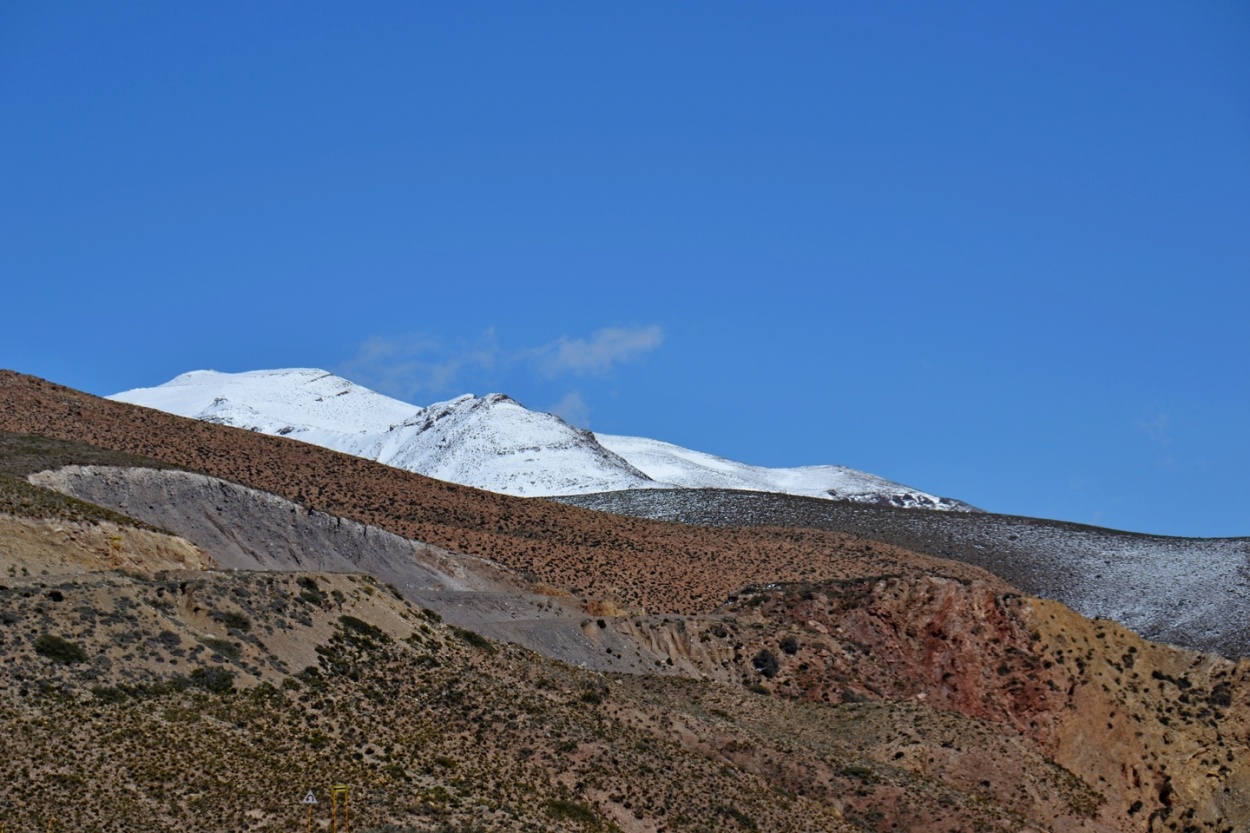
(598,354)
(411,366)
(1156,429)
(573,410)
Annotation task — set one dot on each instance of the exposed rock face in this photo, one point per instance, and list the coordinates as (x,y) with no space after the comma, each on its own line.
(1192,592)
(32,547)
(1160,732)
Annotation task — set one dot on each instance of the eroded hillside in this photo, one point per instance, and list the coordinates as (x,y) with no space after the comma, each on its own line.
(873,694)
(214,701)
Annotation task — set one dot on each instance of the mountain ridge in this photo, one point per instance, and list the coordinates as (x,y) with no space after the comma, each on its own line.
(490,442)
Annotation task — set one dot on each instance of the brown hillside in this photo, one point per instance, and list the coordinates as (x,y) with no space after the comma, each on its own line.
(645,564)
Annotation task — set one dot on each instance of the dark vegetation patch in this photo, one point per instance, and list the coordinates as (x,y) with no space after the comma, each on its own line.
(25,454)
(233,619)
(59,649)
(474,639)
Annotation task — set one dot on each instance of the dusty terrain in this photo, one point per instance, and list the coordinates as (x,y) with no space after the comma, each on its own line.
(213,700)
(207,684)
(1192,592)
(636,564)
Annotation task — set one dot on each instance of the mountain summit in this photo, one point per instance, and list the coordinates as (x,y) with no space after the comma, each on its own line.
(490,442)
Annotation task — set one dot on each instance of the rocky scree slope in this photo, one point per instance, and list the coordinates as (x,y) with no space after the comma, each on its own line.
(1191,592)
(248,529)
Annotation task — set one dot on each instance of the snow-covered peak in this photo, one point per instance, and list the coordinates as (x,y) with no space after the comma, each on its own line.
(495,443)
(672,464)
(272,400)
(491,442)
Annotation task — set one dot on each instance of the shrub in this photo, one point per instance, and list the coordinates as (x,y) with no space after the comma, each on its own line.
(310,592)
(59,650)
(745,821)
(169,639)
(474,639)
(216,680)
(790,645)
(572,811)
(234,620)
(224,647)
(360,633)
(765,662)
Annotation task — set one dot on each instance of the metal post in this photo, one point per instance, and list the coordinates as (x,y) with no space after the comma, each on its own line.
(341,791)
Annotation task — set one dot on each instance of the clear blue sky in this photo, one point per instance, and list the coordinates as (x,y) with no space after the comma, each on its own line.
(997,251)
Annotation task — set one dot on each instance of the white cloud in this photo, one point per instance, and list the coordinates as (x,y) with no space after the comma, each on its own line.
(414,365)
(598,354)
(573,410)
(1156,429)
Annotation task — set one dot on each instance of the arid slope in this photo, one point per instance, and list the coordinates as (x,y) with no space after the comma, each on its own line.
(635,563)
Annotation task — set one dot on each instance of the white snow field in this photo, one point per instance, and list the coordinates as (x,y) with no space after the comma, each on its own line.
(491,442)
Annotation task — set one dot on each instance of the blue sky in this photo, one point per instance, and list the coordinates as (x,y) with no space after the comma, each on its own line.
(997,251)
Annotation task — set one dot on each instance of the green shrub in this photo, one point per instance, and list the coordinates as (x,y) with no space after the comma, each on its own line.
(59,650)
(224,647)
(216,680)
(310,592)
(360,633)
(571,811)
(474,639)
(234,620)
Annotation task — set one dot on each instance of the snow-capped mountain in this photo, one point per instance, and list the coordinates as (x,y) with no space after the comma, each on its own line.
(491,442)
(677,466)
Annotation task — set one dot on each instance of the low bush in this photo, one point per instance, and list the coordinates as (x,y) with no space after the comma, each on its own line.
(231,619)
(765,662)
(474,639)
(59,650)
(216,680)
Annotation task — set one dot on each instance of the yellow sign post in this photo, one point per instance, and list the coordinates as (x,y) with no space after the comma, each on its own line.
(336,792)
